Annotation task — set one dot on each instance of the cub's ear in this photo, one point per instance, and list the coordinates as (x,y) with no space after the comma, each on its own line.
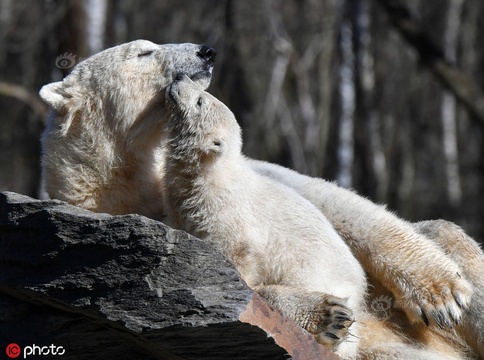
(217,146)
(54,95)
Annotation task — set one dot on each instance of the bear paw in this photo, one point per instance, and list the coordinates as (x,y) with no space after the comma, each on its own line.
(330,321)
(440,301)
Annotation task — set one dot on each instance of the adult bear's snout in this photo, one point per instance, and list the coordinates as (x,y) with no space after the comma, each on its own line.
(207,53)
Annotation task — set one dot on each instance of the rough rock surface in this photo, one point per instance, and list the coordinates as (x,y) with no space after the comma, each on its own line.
(127,287)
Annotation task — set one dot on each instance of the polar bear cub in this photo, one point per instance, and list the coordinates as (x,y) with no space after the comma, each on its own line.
(282,245)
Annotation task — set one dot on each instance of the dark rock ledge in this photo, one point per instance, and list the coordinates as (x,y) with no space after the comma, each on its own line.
(127,287)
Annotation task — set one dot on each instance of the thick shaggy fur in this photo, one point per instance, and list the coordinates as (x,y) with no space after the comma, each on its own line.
(290,253)
(97,154)
(430,272)
(102,151)
(212,192)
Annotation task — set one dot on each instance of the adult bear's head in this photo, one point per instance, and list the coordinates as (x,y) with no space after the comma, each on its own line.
(117,84)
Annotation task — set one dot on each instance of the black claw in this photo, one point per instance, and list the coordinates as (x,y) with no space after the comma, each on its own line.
(338,312)
(459,301)
(343,318)
(332,336)
(454,317)
(439,318)
(425,318)
(447,321)
(338,327)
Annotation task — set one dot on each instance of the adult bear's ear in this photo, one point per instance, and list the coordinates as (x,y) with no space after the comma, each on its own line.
(57,96)
(54,95)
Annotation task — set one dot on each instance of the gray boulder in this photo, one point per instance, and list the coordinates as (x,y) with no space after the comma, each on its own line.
(127,287)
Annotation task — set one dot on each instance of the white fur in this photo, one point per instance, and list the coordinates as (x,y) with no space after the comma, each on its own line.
(388,247)
(101,145)
(102,151)
(282,244)
(271,234)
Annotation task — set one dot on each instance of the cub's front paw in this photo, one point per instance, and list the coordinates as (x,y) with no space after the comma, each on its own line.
(329,321)
(440,300)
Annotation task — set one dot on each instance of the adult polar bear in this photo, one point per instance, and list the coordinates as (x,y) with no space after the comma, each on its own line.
(102,152)
(90,158)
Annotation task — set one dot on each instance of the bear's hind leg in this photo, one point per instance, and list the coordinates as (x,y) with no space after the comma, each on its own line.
(468,255)
(382,340)
(398,351)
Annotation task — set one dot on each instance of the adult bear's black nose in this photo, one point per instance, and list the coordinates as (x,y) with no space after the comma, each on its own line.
(207,53)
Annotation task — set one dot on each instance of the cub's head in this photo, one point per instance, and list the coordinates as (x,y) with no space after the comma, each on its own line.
(199,125)
(117,84)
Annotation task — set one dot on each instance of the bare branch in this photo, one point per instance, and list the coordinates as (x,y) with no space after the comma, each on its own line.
(294,141)
(20,93)
(432,56)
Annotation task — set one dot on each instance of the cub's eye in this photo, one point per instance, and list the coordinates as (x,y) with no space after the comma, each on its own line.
(145,53)
(200,101)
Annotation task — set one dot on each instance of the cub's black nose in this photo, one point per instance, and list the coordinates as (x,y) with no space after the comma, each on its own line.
(207,53)
(179,76)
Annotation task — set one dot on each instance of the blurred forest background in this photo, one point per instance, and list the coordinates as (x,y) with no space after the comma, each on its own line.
(349,90)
